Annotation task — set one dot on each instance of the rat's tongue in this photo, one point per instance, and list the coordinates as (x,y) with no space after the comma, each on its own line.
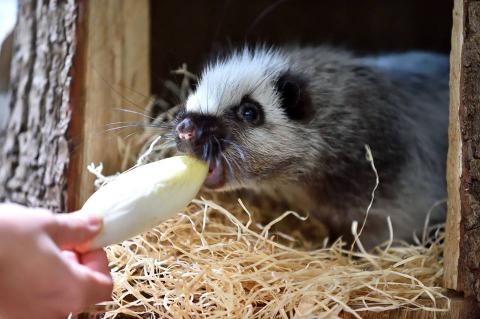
(215,177)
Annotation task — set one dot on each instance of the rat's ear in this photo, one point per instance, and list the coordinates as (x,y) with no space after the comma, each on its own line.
(295,99)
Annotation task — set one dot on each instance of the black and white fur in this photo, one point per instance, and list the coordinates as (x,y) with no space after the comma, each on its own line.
(295,122)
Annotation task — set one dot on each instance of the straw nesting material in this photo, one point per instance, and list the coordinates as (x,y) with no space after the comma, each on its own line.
(214,263)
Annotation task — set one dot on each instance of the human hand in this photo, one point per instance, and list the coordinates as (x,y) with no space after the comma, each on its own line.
(40,274)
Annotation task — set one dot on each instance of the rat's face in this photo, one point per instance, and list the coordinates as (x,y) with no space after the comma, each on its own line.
(244,118)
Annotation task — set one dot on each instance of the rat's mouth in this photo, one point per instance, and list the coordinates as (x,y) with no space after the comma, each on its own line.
(216,175)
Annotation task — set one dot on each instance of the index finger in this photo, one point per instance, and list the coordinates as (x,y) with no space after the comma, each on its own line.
(95,285)
(96,260)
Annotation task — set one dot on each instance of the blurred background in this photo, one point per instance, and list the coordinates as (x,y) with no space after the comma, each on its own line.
(184,31)
(8,15)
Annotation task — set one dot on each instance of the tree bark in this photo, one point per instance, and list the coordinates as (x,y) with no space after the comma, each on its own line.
(470,128)
(35,154)
(462,252)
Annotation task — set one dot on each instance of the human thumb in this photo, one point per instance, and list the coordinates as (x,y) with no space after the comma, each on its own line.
(75,229)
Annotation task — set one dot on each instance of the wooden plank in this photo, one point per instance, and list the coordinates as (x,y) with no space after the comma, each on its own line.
(462,253)
(6,50)
(454,163)
(460,308)
(116,73)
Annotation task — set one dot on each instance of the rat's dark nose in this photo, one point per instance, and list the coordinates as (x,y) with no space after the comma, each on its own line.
(186,129)
(200,134)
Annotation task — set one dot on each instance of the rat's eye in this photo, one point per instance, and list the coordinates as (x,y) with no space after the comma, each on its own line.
(250,112)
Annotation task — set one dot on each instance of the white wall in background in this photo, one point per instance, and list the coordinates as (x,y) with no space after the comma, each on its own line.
(8,16)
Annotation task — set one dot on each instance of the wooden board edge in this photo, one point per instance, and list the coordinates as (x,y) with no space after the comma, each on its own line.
(460,308)
(454,161)
(77,105)
(112,68)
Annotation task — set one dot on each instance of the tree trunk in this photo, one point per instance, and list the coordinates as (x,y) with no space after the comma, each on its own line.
(462,251)
(35,154)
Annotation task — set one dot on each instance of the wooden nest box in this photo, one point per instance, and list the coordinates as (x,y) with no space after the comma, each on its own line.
(74,61)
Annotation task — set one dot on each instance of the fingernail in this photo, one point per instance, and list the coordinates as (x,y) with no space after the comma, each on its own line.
(94,223)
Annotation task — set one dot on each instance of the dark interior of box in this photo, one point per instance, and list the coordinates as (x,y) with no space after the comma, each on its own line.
(185,31)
